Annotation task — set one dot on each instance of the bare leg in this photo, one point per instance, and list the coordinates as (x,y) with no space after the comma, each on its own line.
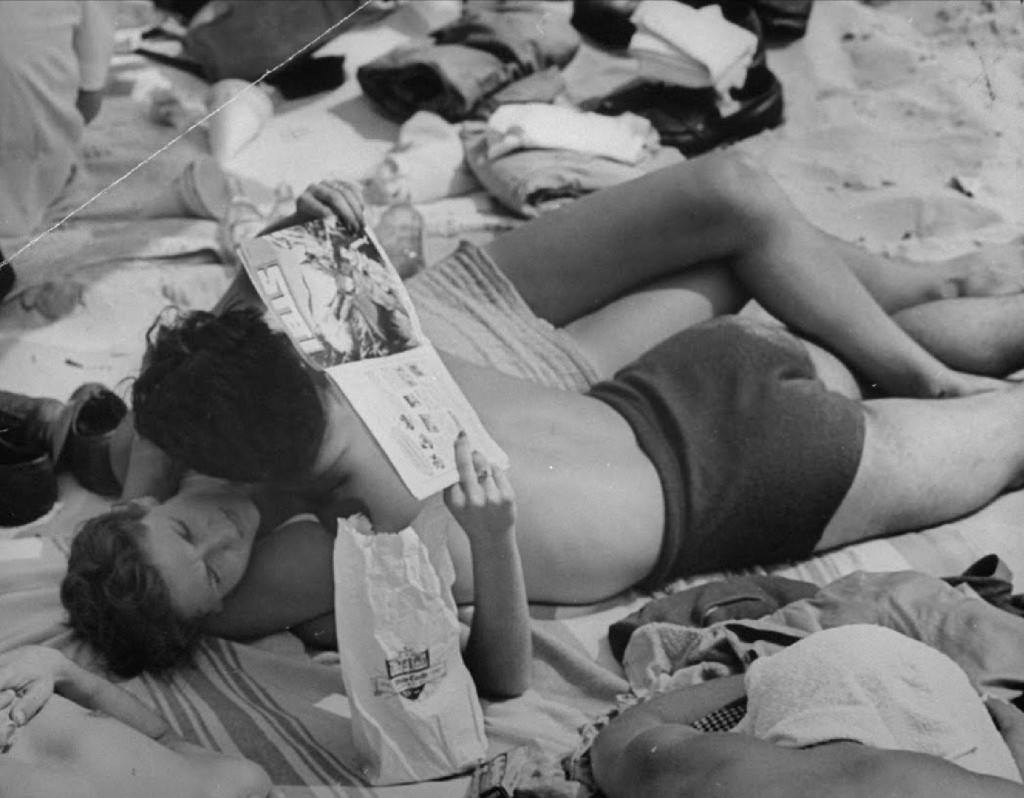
(930,461)
(625,328)
(657,238)
(579,259)
(898,283)
(981,335)
(712,214)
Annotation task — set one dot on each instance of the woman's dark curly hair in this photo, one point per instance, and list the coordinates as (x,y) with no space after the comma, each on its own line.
(117,602)
(229,397)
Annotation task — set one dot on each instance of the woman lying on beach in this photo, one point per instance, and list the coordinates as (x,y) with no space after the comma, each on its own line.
(594,287)
(202,561)
(66,733)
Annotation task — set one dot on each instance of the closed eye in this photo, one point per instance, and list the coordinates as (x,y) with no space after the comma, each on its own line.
(213,576)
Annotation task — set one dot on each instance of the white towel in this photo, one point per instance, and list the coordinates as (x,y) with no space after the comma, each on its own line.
(522,126)
(698,48)
(426,164)
(875,686)
(240,121)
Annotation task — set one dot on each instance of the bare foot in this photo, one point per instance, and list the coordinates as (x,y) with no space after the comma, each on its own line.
(995,270)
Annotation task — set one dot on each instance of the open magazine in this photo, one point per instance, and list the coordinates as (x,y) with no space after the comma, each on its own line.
(343,305)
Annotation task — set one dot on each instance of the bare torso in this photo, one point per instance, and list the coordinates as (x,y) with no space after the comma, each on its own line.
(590,505)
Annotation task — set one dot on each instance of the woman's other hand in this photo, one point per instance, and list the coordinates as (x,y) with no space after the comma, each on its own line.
(328,198)
(27,679)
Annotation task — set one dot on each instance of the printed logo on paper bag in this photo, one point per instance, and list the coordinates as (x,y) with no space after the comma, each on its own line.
(409,673)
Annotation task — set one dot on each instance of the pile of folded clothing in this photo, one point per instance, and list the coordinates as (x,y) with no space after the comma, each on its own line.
(498,79)
(608,22)
(466,61)
(695,48)
(702,77)
(534,157)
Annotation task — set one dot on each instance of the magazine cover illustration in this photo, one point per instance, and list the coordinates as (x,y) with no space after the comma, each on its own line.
(350,304)
(346,310)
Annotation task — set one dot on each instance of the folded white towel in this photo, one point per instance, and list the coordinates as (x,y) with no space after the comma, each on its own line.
(697,48)
(522,126)
(875,686)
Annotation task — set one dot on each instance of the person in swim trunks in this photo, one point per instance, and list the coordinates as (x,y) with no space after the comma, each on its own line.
(622,281)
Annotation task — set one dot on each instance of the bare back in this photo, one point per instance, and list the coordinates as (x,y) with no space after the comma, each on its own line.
(590,504)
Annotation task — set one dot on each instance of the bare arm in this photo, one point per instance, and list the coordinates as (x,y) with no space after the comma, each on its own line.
(289,581)
(36,672)
(1010,722)
(321,200)
(94,45)
(499,650)
(613,754)
(650,751)
(68,752)
(149,471)
(318,201)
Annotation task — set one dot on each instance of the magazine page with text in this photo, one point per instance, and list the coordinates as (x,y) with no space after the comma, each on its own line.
(343,305)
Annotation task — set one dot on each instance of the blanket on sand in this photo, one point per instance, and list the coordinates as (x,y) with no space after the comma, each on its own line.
(903,132)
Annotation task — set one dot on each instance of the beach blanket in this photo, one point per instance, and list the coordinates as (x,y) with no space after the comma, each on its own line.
(903,133)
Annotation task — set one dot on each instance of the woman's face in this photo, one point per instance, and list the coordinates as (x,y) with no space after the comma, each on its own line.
(200,542)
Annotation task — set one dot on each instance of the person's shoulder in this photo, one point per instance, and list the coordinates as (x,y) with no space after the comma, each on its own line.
(45,755)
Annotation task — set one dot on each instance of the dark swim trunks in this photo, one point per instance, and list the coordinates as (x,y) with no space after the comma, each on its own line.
(754,453)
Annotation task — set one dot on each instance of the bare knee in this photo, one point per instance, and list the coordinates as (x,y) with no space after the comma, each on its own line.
(736,187)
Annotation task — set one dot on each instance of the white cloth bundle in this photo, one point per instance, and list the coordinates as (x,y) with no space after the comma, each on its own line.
(426,164)
(696,48)
(523,126)
(875,686)
(239,121)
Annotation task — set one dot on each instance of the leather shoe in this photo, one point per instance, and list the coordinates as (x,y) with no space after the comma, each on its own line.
(6,278)
(689,119)
(87,452)
(28,483)
(42,421)
(77,434)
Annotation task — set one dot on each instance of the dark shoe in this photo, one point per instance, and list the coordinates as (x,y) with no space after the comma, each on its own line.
(96,416)
(43,422)
(28,483)
(783,20)
(608,23)
(76,434)
(605,21)
(689,119)
(6,278)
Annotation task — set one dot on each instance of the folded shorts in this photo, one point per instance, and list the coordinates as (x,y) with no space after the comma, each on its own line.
(755,454)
